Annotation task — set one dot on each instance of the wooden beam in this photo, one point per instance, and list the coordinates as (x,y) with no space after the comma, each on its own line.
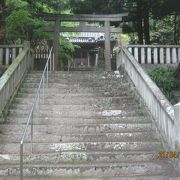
(84,17)
(84,29)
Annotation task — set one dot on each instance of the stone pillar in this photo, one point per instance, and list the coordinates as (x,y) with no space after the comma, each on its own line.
(26,44)
(56,45)
(96,61)
(88,59)
(107,52)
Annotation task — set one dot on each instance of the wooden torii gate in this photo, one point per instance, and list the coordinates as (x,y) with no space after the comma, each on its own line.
(107,29)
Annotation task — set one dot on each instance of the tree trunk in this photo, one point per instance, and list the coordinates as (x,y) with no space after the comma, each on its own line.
(177,73)
(140,32)
(175,29)
(146,27)
(139,22)
(2,22)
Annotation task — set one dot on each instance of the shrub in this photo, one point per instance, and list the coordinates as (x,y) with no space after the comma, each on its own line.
(166,81)
(66,49)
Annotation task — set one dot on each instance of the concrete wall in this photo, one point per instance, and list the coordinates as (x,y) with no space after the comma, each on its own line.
(166,116)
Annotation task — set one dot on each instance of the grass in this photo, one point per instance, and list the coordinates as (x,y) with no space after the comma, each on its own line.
(140,113)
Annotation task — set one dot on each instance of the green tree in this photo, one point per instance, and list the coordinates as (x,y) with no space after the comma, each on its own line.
(150,17)
(2,21)
(97,7)
(169,11)
(46,6)
(24,22)
(22,25)
(139,11)
(65,52)
(166,81)
(162,31)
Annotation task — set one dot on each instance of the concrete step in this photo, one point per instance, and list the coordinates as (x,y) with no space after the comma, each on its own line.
(64,86)
(94,74)
(80,82)
(93,170)
(76,77)
(74,80)
(82,91)
(23,107)
(76,83)
(77,74)
(73,120)
(77,128)
(77,100)
(75,92)
(13,148)
(80,157)
(60,94)
(47,137)
(164,176)
(79,113)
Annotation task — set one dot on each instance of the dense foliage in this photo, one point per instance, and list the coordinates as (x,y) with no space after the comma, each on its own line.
(149,21)
(23,20)
(23,25)
(165,80)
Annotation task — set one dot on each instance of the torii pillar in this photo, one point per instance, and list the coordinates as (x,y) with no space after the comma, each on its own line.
(56,44)
(107,52)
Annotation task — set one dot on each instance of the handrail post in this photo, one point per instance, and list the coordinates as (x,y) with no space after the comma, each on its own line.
(39,103)
(43,87)
(47,75)
(50,68)
(32,132)
(21,161)
(52,60)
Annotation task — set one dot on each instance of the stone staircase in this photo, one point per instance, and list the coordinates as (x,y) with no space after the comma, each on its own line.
(91,126)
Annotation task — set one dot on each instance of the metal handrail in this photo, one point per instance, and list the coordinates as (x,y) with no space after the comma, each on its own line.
(49,66)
